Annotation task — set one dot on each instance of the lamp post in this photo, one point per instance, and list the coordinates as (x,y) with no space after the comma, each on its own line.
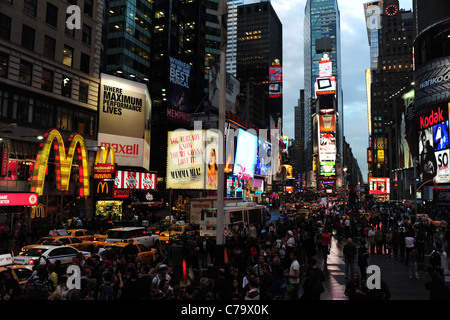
(345,189)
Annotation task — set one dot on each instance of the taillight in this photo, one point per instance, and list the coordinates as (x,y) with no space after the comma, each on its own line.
(31,262)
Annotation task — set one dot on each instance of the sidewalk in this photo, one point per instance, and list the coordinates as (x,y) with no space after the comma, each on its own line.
(394,273)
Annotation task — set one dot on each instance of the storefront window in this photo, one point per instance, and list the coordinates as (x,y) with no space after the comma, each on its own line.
(109,209)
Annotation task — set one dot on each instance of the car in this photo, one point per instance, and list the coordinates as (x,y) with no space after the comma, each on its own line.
(84,234)
(145,253)
(68,241)
(138,234)
(64,254)
(19,272)
(427,220)
(184,229)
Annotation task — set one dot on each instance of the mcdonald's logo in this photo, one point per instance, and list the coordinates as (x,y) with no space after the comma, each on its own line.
(38,211)
(63,161)
(103,153)
(103,185)
(104,189)
(102,169)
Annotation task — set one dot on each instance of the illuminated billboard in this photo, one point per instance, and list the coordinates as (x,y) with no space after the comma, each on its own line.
(379,185)
(275,73)
(327,146)
(124,120)
(191,159)
(244,164)
(434,145)
(326,85)
(264,158)
(327,168)
(275,81)
(325,68)
(179,88)
(63,162)
(327,122)
(134,180)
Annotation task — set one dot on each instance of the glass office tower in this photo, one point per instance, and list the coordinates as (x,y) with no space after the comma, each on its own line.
(322,21)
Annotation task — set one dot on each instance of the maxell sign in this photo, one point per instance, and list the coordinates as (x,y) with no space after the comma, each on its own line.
(129,151)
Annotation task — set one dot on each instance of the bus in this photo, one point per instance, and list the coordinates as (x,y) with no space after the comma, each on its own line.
(244,213)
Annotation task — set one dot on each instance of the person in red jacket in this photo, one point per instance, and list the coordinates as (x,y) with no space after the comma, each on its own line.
(325,245)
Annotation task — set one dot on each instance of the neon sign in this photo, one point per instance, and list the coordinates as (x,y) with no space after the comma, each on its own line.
(63,162)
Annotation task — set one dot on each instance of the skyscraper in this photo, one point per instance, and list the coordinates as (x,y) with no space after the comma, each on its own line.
(259,45)
(390,38)
(322,22)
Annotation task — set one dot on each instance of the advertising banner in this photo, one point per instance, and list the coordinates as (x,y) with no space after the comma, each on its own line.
(434,144)
(123,107)
(327,146)
(244,164)
(327,168)
(327,122)
(179,88)
(326,85)
(325,68)
(185,159)
(379,185)
(18,199)
(406,130)
(135,180)
(131,152)
(233,89)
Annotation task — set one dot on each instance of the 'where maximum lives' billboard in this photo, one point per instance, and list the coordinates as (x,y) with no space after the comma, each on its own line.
(124,120)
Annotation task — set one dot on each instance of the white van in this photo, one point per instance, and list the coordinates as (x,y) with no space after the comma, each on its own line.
(137,234)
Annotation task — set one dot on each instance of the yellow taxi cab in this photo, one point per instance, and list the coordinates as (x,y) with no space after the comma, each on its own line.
(74,242)
(144,252)
(174,230)
(427,220)
(84,234)
(365,215)
(19,272)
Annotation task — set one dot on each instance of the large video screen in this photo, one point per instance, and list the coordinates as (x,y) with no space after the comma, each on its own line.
(379,186)
(244,164)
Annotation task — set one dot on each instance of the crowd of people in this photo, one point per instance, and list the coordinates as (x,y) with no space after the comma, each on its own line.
(278,261)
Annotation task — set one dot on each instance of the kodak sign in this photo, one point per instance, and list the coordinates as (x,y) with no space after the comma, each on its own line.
(431,119)
(64,160)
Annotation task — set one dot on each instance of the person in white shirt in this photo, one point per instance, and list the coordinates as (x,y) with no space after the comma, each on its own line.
(293,276)
(409,244)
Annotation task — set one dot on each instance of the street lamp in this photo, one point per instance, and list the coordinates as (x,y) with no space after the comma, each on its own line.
(345,189)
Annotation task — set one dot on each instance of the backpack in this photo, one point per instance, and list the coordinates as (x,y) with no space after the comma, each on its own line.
(107,292)
(435,259)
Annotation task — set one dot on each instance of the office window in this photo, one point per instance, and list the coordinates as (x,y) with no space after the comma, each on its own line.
(25,72)
(68,56)
(51,17)
(88,7)
(4,62)
(84,92)
(5,27)
(28,37)
(47,80)
(49,47)
(30,7)
(66,87)
(84,62)
(86,36)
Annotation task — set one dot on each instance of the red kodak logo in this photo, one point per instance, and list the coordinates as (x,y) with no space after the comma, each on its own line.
(434,118)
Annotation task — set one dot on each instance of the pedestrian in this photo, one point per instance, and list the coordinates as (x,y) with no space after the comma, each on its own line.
(293,277)
(436,285)
(325,245)
(253,291)
(409,245)
(379,236)
(363,256)
(355,289)
(266,281)
(349,252)
(413,263)
(371,240)
(313,285)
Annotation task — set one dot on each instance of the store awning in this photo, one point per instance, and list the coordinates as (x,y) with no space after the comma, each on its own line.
(23,149)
